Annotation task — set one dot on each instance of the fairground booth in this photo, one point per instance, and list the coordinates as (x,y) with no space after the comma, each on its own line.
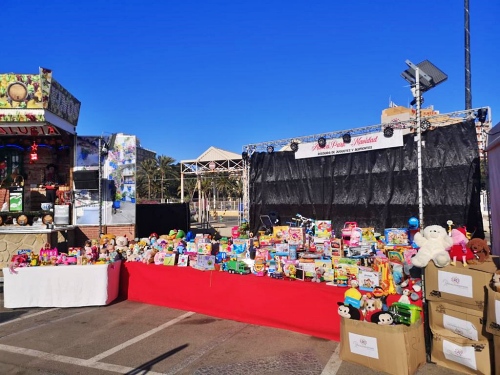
(38,119)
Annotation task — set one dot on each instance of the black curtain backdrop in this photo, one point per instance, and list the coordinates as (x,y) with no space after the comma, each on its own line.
(376,188)
(161,218)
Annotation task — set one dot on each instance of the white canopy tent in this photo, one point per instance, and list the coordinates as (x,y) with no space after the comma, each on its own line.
(211,161)
(493,150)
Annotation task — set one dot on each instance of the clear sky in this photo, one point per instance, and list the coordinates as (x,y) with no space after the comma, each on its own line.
(185,75)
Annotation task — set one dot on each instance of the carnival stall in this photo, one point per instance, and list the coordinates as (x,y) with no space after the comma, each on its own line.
(38,119)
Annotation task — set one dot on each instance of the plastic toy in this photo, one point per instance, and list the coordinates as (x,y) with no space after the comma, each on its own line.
(405,313)
(236,266)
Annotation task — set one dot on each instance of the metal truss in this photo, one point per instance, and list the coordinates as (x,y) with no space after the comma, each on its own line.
(428,122)
(213,166)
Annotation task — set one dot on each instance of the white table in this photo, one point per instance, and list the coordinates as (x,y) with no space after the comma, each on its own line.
(61,286)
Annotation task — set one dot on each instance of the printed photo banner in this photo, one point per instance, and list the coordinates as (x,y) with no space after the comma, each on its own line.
(367,142)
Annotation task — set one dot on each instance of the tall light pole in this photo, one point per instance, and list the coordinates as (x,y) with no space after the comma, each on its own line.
(422,77)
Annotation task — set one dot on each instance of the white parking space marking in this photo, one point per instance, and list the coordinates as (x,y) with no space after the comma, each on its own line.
(333,365)
(70,360)
(135,340)
(28,316)
(47,323)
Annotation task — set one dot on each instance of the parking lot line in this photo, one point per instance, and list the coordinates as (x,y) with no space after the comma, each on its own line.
(29,316)
(136,339)
(334,363)
(70,360)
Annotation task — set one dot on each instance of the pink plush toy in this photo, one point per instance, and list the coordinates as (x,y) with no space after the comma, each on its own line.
(459,249)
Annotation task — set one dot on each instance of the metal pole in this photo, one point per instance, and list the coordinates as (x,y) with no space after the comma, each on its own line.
(419,151)
(100,189)
(468,92)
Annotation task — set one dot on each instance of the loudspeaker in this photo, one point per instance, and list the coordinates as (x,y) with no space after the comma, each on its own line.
(87,180)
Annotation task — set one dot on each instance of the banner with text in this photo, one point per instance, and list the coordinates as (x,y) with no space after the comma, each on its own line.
(367,142)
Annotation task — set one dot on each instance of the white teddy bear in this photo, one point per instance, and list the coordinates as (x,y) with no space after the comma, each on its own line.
(433,245)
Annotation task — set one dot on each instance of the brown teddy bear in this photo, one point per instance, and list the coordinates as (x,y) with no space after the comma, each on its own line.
(480,249)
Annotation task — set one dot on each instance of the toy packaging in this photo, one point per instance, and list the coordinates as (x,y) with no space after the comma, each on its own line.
(368,279)
(396,236)
(280,233)
(323,228)
(296,236)
(205,262)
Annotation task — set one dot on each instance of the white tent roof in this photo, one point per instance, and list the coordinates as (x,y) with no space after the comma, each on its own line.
(214,154)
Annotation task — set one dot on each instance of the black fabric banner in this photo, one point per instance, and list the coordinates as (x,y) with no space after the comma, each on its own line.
(376,188)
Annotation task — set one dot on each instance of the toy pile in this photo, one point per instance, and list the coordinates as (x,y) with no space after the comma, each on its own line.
(101,251)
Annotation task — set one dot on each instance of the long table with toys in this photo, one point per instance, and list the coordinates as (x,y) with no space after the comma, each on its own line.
(300,285)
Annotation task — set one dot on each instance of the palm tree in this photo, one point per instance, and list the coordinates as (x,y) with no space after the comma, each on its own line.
(224,185)
(147,169)
(165,171)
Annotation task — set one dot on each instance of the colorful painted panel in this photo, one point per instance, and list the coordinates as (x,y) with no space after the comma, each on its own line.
(20,91)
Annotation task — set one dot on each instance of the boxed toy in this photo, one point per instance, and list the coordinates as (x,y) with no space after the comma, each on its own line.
(205,262)
(296,236)
(395,349)
(396,236)
(323,228)
(459,285)
(456,322)
(368,279)
(280,233)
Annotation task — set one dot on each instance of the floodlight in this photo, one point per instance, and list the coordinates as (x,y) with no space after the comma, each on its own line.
(424,125)
(294,146)
(321,142)
(244,155)
(270,149)
(388,132)
(482,113)
(430,75)
(346,138)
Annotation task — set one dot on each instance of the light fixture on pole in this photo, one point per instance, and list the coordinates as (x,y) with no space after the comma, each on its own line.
(294,146)
(422,77)
(346,138)
(388,132)
(270,149)
(322,142)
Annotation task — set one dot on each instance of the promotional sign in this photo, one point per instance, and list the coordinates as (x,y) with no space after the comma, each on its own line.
(118,181)
(367,142)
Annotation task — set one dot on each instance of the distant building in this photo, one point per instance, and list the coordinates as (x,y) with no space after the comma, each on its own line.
(144,153)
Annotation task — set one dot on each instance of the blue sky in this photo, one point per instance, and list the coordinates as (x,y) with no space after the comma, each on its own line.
(187,75)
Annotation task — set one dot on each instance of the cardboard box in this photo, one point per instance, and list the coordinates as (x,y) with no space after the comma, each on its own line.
(396,349)
(470,357)
(496,354)
(458,284)
(493,312)
(457,322)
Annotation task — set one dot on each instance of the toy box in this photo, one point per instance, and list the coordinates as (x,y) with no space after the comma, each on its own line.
(395,349)
(368,235)
(183,260)
(368,279)
(282,249)
(204,248)
(323,228)
(280,233)
(296,236)
(396,236)
(205,262)
(169,259)
(326,266)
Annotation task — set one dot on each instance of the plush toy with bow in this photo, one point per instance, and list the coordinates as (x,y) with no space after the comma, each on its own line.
(459,250)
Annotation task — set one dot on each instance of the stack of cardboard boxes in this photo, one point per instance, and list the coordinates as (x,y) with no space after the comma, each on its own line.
(493,323)
(457,303)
